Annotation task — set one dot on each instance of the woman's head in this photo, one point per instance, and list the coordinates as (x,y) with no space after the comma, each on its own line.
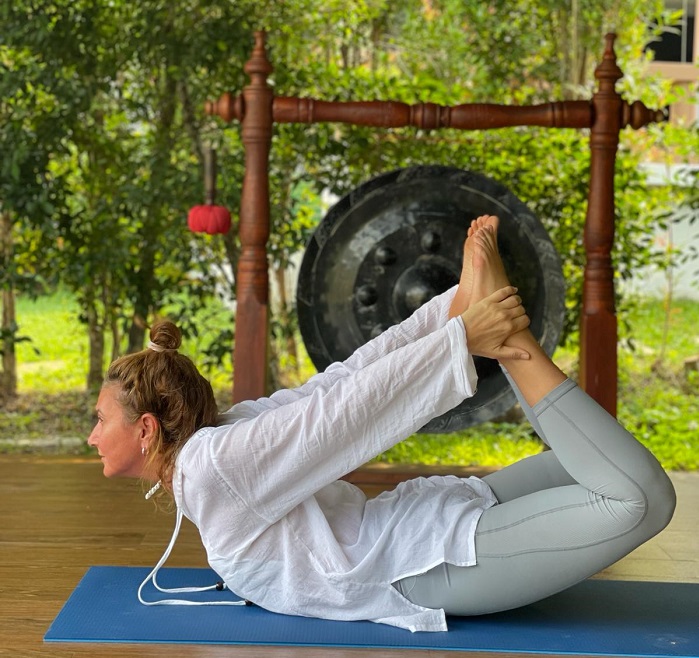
(150,404)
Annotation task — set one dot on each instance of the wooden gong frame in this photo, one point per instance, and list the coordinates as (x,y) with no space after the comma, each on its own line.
(258,109)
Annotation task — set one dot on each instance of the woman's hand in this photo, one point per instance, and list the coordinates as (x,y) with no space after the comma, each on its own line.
(491,321)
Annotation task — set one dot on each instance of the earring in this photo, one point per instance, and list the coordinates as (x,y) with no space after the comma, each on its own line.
(143,450)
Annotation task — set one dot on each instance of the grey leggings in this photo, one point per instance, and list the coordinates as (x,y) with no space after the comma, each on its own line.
(563,515)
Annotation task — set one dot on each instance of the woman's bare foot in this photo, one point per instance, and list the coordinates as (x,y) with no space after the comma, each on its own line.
(488,270)
(462,298)
(534,377)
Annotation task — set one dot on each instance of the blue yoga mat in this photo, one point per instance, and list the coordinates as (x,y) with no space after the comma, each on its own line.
(596,617)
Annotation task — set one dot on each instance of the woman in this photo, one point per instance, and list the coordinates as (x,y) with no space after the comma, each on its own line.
(261,480)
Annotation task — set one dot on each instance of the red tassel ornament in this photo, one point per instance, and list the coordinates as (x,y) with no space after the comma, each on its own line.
(209,218)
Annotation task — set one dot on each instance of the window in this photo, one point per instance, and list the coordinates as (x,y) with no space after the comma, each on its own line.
(678,45)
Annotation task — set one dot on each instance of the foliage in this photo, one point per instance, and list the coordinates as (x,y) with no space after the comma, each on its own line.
(102,132)
(125,142)
(548,169)
(489,444)
(659,392)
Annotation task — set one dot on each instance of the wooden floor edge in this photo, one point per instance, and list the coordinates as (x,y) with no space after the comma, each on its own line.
(370,474)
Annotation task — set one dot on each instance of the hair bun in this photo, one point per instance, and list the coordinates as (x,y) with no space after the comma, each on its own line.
(164,335)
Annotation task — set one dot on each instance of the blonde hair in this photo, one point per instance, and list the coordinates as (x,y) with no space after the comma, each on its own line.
(167,384)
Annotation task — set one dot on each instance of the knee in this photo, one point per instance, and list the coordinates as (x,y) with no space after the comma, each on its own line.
(661,502)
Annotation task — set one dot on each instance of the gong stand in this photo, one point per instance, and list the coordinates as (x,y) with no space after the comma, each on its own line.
(258,109)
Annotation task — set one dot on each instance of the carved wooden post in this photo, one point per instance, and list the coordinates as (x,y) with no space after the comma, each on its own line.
(598,324)
(252,285)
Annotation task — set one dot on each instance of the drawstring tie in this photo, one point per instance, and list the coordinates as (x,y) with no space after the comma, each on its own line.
(151,577)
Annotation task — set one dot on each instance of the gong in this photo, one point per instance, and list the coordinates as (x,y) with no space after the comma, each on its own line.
(395,242)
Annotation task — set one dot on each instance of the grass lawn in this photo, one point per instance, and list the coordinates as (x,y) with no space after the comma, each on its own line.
(658,398)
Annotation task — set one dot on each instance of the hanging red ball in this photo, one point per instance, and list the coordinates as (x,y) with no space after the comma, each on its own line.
(209,219)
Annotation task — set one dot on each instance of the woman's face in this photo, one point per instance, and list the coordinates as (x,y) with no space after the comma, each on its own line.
(118,441)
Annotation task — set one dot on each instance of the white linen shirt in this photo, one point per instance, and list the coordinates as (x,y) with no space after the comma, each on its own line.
(284,533)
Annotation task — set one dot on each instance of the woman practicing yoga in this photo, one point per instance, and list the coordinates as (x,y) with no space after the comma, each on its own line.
(260,481)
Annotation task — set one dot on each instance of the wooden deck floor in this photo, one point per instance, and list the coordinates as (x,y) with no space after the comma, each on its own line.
(58,516)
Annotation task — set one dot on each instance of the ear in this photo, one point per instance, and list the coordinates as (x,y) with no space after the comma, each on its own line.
(149,430)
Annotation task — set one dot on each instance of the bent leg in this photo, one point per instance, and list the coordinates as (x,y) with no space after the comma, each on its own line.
(528,475)
(528,411)
(535,473)
(541,540)
(533,546)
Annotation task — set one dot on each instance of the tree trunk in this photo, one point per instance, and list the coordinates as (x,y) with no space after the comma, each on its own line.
(160,170)
(116,336)
(8,383)
(137,330)
(95,332)
(285,320)
(143,301)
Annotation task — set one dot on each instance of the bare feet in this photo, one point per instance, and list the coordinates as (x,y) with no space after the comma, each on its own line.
(538,375)
(488,270)
(462,298)
(494,312)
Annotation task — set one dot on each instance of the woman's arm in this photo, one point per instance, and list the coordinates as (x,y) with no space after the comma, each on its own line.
(284,455)
(426,319)
(279,458)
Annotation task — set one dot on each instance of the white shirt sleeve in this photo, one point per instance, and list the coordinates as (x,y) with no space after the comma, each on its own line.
(426,319)
(285,454)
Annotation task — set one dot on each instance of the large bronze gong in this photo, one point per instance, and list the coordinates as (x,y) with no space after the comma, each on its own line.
(394,243)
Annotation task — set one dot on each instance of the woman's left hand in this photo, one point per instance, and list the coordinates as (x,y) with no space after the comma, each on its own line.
(491,321)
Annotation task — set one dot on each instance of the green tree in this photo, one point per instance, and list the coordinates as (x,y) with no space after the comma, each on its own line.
(38,106)
(103,131)
(130,150)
